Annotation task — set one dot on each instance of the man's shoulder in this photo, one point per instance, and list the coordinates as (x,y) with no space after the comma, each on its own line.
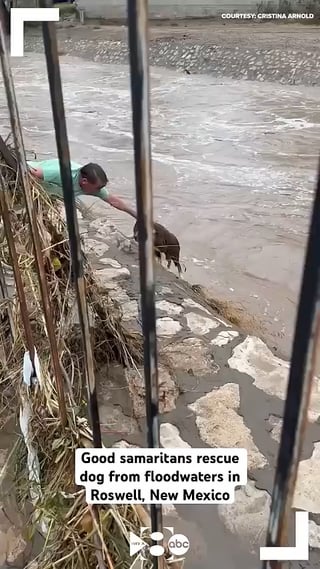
(75,165)
(52,168)
(103,194)
(54,163)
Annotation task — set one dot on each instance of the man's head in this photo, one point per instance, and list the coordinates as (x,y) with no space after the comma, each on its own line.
(92,178)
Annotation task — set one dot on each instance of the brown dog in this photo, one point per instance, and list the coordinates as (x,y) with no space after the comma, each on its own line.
(166,243)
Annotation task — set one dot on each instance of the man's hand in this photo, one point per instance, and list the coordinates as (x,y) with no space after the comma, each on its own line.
(36,172)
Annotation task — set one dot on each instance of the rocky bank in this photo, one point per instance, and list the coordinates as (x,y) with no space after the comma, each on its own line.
(218,388)
(286,53)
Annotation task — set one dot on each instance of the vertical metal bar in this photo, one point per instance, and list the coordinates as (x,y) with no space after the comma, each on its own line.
(5,15)
(302,370)
(17,274)
(10,160)
(25,182)
(138,44)
(56,95)
(5,294)
(55,84)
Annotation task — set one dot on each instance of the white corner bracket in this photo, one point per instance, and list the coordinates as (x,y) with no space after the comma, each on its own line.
(300,552)
(18,16)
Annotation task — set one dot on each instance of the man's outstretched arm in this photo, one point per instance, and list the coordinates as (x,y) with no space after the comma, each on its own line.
(118,203)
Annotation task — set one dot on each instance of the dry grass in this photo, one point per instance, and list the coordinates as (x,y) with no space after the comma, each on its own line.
(70,529)
(111,341)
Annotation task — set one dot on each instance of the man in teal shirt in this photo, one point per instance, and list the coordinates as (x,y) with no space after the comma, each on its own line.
(88,180)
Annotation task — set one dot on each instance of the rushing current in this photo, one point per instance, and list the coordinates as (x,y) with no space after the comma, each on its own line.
(234,169)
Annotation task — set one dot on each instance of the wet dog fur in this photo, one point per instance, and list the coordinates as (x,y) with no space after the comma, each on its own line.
(165,243)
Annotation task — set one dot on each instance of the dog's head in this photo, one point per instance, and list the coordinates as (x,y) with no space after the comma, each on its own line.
(136,233)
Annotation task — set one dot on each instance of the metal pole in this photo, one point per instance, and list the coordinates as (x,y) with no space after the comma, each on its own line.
(302,371)
(25,183)
(54,76)
(10,160)
(56,95)
(16,271)
(138,43)
(5,296)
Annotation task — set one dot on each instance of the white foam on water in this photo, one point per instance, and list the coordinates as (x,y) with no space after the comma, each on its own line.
(37,129)
(293,123)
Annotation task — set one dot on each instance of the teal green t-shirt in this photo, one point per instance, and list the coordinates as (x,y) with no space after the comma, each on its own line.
(52,182)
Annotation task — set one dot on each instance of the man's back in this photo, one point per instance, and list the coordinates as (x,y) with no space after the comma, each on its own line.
(52,176)
(88,180)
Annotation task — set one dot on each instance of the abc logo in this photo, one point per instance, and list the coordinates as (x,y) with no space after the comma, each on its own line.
(178,544)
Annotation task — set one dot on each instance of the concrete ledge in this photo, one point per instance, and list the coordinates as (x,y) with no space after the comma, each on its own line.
(163,9)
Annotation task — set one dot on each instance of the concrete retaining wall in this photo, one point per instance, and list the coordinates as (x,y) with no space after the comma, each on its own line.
(175,9)
(166,9)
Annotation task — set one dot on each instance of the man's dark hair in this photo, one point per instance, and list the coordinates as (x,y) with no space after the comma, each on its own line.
(94,173)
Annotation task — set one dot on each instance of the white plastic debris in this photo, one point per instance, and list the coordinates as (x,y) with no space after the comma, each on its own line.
(25,426)
(28,377)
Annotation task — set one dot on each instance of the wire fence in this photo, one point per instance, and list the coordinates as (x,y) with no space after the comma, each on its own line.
(308,316)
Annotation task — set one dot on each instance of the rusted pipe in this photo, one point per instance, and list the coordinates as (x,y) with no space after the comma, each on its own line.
(55,84)
(5,296)
(25,183)
(56,95)
(301,376)
(9,158)
(139,71)
(16,271)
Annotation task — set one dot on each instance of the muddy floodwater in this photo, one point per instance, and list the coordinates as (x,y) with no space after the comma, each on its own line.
(234,169)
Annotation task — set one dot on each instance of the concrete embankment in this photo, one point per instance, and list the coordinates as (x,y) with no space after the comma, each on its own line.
(289,54)
(218,388)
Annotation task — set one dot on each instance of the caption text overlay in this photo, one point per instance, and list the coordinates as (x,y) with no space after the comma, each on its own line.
(160,476)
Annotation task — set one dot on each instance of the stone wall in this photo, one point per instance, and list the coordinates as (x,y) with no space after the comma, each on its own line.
(166,9)
(179,9)
(219,388)
(172,9)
